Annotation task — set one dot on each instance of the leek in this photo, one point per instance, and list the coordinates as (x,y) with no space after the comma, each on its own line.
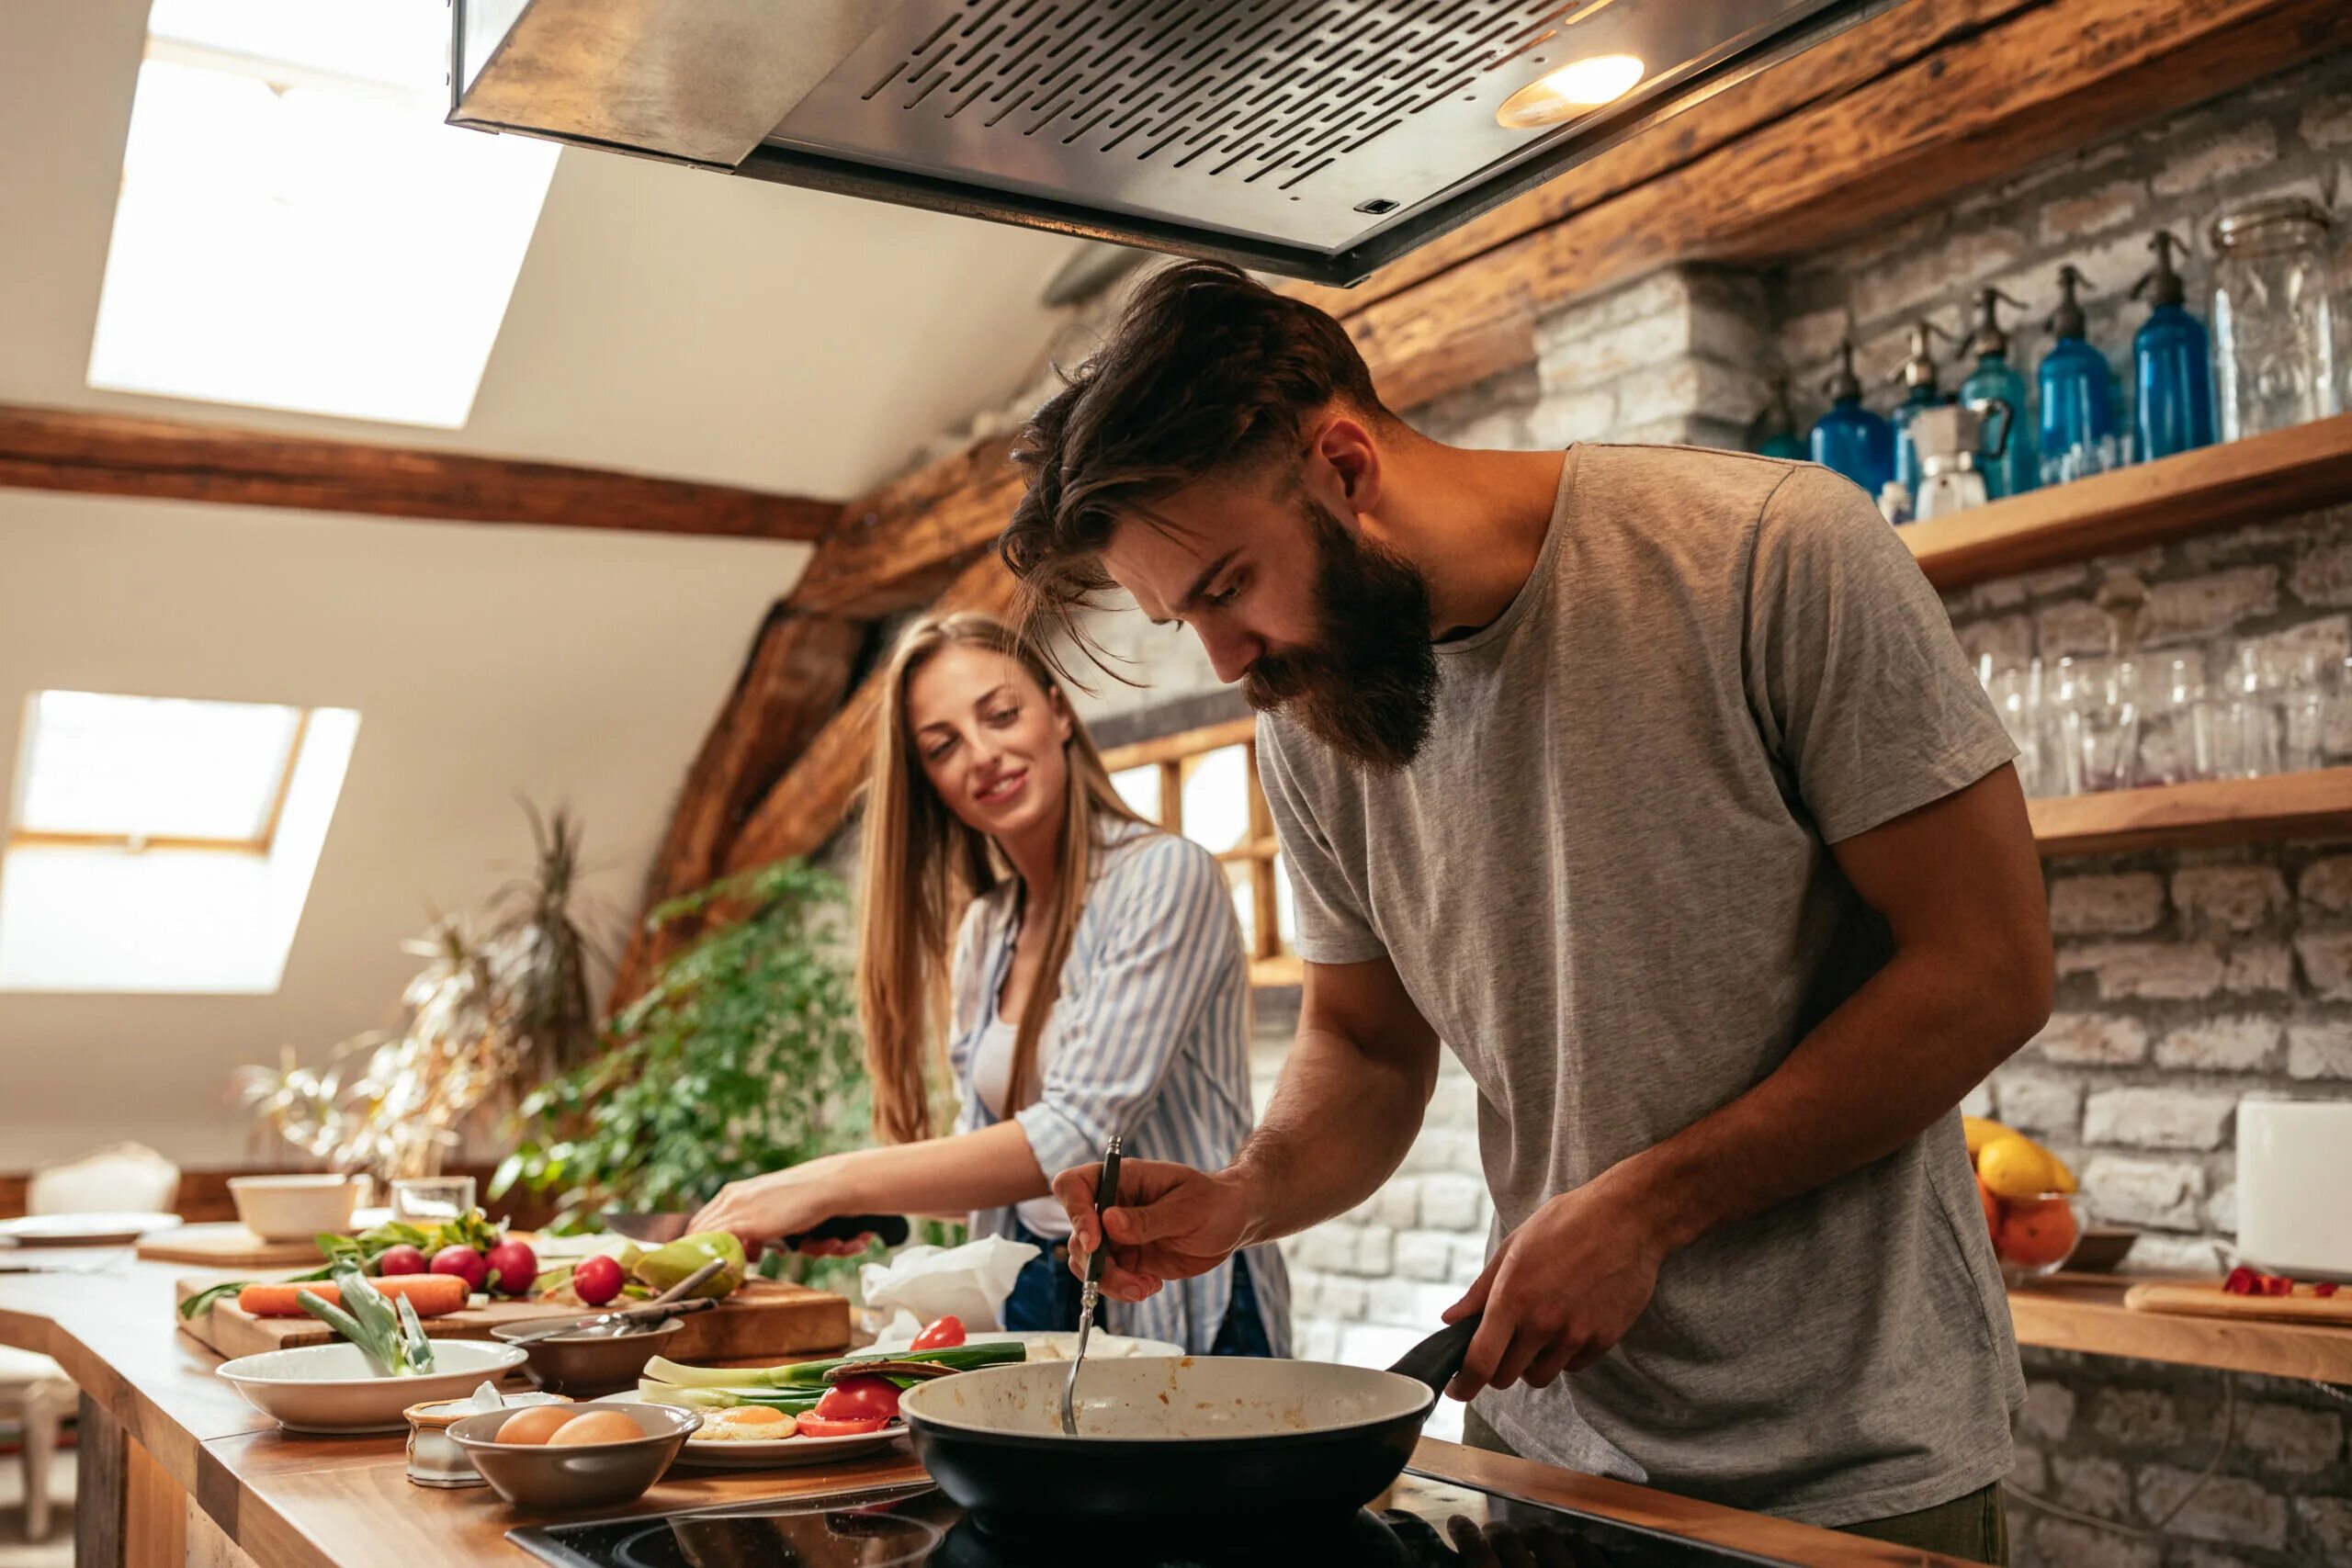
(393,1341)
(657,1392)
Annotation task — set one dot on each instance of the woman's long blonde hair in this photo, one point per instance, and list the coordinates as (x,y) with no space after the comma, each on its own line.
(921,864)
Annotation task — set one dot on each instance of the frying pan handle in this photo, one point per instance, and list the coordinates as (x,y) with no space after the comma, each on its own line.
(889,1229)
(1435,1359)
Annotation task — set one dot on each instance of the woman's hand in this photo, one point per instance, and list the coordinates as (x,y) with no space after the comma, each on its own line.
(763,1209)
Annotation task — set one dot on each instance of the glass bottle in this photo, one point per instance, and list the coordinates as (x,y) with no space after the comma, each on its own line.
(2172,365)
(1773,433)
(1997,392)
(2078,434)
(1917,374)
(1849,439)
(2274,321)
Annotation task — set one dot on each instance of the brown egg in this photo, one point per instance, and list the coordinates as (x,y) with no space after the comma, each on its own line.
(533,1422)
(596,1427)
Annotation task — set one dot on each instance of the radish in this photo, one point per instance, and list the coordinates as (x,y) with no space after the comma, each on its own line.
(513,1266)
(596,1280)
(401,1259)
(464,1262)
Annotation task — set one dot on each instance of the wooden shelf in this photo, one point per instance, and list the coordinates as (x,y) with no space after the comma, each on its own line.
(2196,493)
(2217,811)
(2087,1314)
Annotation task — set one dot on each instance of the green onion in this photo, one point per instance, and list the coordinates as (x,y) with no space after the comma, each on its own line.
(393,1341)
(653,1392)
(811,1374)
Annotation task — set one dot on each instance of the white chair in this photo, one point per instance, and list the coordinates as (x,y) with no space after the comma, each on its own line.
(126,1178)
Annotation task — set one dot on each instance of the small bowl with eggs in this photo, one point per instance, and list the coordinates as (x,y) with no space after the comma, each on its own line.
(574,1456)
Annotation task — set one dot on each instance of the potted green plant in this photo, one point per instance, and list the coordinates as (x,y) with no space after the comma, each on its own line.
(742,1057)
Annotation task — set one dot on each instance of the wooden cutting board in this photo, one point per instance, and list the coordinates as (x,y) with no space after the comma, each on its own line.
(765,1319)
(2207,1299)
(230,1245)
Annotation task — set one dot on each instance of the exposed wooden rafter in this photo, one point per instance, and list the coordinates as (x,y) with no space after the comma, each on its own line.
(799,670)
(105,454)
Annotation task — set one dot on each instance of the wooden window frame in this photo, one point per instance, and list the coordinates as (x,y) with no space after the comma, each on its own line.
(1268,964)
(261,844)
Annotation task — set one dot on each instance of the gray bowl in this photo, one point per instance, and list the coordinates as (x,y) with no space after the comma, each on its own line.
(587,1365)
(590,1475)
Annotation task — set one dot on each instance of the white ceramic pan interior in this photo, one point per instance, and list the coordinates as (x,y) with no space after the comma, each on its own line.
(1179,1398)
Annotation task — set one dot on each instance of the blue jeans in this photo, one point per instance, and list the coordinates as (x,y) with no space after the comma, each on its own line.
(1046,1296)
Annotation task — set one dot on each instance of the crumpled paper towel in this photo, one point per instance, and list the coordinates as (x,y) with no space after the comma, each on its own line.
(969,1282)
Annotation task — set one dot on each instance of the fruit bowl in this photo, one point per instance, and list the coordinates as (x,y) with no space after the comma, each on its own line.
(2034,1236)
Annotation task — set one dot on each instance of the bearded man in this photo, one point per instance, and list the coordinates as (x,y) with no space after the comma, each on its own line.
(1652,782)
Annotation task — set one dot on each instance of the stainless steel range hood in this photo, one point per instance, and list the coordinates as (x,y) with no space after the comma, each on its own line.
(1320,139)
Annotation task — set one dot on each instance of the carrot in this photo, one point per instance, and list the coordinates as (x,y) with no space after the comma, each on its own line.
(433,1295)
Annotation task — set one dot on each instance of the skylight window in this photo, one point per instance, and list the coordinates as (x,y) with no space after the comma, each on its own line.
(163,845)
(297,228)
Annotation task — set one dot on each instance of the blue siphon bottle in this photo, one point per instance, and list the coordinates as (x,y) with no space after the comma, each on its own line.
(1917,375)
(2172,365)
(1997,390)
(1849,439)
(2078,434)
(1774,432)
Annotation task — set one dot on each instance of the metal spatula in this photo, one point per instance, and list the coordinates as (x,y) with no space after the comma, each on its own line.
(1106,1195)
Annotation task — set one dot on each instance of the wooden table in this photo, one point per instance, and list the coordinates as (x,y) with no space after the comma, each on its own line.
(177,1470)
(2084,1312)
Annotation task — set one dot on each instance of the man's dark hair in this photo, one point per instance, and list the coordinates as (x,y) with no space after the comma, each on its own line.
(1207,371)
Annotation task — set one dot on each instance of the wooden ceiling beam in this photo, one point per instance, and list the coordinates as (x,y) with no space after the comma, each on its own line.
(899,546)
(107,454)
(814,796)
(794,678)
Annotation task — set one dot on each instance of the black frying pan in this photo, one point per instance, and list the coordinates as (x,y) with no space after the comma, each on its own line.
(1167,1436)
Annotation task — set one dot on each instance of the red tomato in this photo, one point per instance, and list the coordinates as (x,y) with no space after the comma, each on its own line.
(859,1399)
(941,1336)
(815,1426)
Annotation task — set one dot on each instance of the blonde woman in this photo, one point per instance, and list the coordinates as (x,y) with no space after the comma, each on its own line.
(1095,984)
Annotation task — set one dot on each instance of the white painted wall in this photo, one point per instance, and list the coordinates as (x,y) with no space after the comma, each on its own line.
(484,662)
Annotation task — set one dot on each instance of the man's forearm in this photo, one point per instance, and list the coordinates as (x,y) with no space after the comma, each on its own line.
(1339,1125)
(1899,1054)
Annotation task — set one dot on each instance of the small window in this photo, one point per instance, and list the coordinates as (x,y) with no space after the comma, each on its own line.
(160,844)
(1204,784)
(296,228)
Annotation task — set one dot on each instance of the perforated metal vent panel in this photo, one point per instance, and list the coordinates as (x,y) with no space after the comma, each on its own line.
(1254,90)
(1301,123)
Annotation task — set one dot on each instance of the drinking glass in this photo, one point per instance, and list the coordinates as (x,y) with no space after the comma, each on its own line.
(2172,692)
(2102,733)
(2016,697)
(432,1199)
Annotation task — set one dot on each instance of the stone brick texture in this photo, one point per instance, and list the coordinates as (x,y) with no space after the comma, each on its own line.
(2187,980)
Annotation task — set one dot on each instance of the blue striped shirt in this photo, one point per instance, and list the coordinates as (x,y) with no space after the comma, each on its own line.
(1148,1039)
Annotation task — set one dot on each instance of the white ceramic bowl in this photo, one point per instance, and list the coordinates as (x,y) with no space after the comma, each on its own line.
(331,1388)
(295,1208)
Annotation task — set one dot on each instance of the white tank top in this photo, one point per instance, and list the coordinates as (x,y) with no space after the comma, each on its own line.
(992,1074)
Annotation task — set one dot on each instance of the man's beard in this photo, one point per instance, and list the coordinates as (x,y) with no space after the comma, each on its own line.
(1367,685)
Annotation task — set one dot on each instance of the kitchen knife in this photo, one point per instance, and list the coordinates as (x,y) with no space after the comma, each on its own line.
(659,1229)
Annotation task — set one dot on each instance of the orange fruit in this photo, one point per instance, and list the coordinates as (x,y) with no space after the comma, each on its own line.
(1992,1209)
(2035,1231)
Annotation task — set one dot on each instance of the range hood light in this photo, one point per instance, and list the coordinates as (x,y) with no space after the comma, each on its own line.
(1571,91)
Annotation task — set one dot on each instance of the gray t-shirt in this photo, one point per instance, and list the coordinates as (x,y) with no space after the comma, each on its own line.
(1605,883)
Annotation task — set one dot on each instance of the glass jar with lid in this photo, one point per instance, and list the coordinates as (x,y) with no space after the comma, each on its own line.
(2274,319)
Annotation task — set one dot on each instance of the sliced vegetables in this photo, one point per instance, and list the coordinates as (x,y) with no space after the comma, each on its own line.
(392,1338)
(811,1374)
(860,1399)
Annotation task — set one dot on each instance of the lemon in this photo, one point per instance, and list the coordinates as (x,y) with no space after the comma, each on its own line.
(2065,1182)
(1981,1132)
(2015,1167)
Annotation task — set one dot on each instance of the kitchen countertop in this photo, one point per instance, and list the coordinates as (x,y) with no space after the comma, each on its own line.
(304,1502)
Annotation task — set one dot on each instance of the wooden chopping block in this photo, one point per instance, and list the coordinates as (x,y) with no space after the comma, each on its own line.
(229,1245)
(767,1319)
(2207,1299)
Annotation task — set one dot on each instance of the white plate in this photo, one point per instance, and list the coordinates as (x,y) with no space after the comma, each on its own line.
(332,1388)
(776,1455)
(85,1230)
(1053,1345)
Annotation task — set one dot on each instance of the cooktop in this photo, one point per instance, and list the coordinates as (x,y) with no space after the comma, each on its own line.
(1422,1521)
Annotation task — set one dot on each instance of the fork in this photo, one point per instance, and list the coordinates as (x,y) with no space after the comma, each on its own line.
(1106,1195)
